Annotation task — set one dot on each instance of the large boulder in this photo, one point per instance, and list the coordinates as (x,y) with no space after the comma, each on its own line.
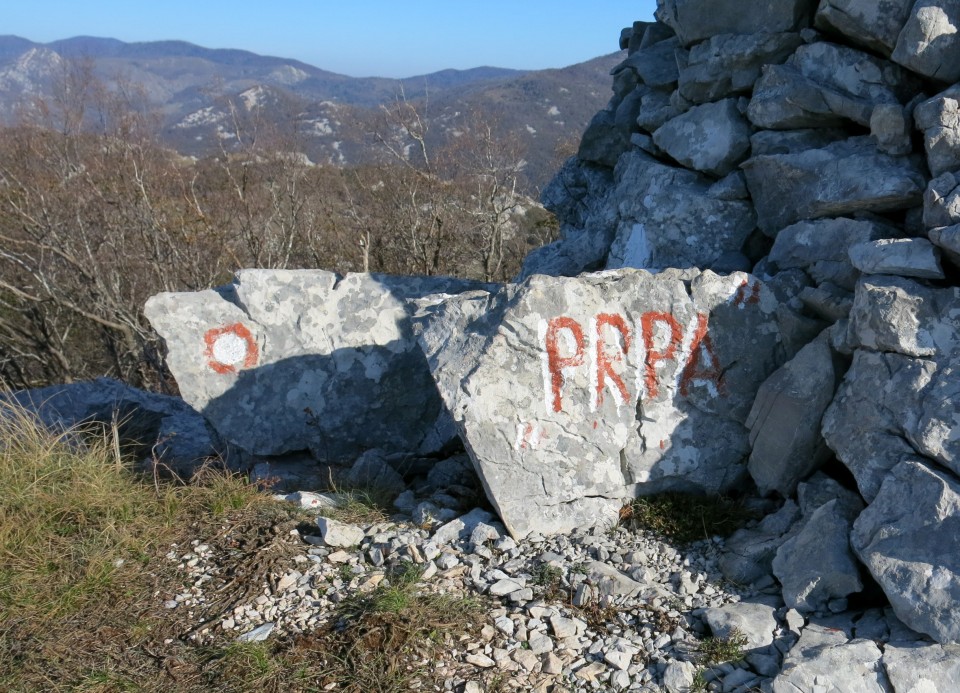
(909,539)
(839,179)
(730,64)
(283,361)
(695,20)
(825,660)
(668,217)
(823,84)
(784,421)
(574,394)
(151,427)
(939,120)
(929,43)
(869,23)
(712,138)
(901,396)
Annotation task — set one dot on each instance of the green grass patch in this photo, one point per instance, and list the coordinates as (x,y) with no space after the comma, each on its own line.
(686,518)
(715,651)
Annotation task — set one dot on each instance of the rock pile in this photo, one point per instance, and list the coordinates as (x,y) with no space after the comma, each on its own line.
(755,288)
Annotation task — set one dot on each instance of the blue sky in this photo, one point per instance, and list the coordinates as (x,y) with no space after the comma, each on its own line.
(356,37)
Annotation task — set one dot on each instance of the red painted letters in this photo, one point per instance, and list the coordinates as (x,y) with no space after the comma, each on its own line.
(558,363)
(654,355)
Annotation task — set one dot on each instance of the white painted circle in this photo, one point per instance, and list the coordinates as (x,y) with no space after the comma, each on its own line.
(230,349)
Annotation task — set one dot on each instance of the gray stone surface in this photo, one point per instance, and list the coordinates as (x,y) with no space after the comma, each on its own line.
(372,472)
(869,23)
(712,138)
(288,360)
(748,553)
(947,238)
(920,666)
(821,248)
(906,257)
(668,218)
(695,20)
(730,63)
(339,534)
(656,65)
(941,201)
(939,120)
(825,660)
(784,422)
(909,539)
(150,426)
(816,565)
(839,179)
(891,127)
(604,140)
(929,43)
(656,108)
(754,619)
(587,390)
(824,84)
(678,676)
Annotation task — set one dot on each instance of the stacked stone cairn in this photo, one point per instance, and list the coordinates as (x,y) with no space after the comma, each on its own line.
(754,292)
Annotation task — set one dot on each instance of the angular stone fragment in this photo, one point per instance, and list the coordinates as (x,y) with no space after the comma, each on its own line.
(286,360)
(825,660)
(873,24)
(922,666)
(712,138)
(890,126)
(748,553)
(656,65)
(150,426)
(604,140)
(587,389)
(929,43)
(754,620)
(823,84)
(816,565)
(656,108)
(941,201)
(668,217)
(821,248)
(939,120)
(730,63)
(839,179)
(909,539)
(695,20)
(766,142)
(341,534)
(372,472)
(907,257)
(947,238)
(784,422)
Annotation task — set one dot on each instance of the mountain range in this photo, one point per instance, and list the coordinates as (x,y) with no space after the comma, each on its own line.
(205,98)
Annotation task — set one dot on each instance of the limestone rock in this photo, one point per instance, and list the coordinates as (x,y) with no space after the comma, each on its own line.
(823,84)
(939,120)
(908,538)
(929,43)
(151,426)
(754,620)
(821,248)
(748,553)
(890,127)
(869,23)
(906,257)
(588,388)
(764,142)
(339,534)
(712,138)
(655,65)
(730,63)
(656,108)
(947,238)
(941,201)
(604,140)
(839,179)
(695,20)
(921,666)
(372,472)
(816,565)
(286,360)
(668,217)
(785,419)
(825,660)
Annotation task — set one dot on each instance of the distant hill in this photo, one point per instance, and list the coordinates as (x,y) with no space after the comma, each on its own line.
(201,94)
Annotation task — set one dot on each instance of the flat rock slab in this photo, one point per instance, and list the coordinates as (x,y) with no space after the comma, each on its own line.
(695,20)
(574,394)
(869,23)
(283,361)
(838,179)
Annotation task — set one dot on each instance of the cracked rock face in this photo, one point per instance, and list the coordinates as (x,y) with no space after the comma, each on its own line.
(585,391)
(283,361)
